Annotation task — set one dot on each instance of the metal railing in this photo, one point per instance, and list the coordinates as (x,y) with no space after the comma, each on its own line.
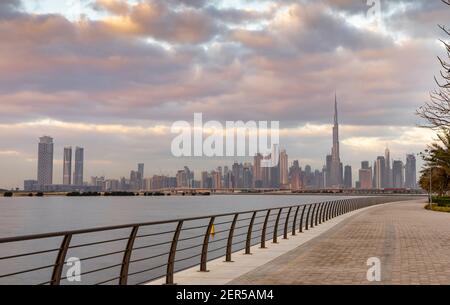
(140,253)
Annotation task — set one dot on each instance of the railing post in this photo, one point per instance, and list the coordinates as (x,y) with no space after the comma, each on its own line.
(336,208)
(60,259)
(286,223)
(301,218)
(307,218)
(294,224)
(329,210)
(127,256)
(172,253)
(324,210)
(316,222)
(263,234)
(204,256)
(333,209)
(230,238)
(248,243)
(275,229)
(312,215)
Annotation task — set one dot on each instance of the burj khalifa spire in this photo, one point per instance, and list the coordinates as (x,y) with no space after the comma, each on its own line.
(335,172)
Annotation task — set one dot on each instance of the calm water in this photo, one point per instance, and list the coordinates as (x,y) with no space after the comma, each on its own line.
(25,215)
(21,216)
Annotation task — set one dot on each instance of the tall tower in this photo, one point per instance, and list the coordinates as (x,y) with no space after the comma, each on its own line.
(67,168)
(284,174)
(79,162)
(387,157)
(45,161)
(335,170)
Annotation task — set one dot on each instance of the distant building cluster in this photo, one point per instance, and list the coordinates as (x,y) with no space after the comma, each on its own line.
(383,173)
(72,175)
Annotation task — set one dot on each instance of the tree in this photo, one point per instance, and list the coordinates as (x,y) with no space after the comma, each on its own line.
(437,110)
(437,159)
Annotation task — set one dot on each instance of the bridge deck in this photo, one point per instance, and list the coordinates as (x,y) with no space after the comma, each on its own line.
(412,243)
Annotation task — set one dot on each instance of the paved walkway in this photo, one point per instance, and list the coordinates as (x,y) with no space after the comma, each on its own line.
(412,243)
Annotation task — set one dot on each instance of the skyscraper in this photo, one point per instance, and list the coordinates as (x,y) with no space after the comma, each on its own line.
(45,161)
(257,172)
(335,170)
(365,178)
(284,174)
(141,175)
(397,174)
(410,172)
(348,180)
(67,167)
(380,173)
(79,163)
(328,171)
(387,157)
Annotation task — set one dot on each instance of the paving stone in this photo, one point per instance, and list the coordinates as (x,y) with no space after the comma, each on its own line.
(412,243)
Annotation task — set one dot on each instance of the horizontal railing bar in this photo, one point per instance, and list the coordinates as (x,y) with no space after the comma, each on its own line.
(192,237)
(146,270)
(189,248)
(193,228)
(218,240)
(187,258)
(104,282)
(97,243)
(28,254)
(125,226)
(99,255)
(217,249)
(154,234)
(148,258)
(96,270)
(153,245)
(27,271)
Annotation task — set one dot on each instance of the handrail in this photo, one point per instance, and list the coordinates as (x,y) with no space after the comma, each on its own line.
(230,235)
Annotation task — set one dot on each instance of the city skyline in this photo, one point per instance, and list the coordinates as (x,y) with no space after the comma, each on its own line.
(94,80)
(286,175)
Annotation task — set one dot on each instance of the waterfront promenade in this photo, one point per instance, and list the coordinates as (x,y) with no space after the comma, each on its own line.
(412,243)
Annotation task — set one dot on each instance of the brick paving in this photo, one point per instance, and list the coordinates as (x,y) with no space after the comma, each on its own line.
(413,245)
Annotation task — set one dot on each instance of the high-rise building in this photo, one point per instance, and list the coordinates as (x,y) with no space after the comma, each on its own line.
(335,170)
(365,165)
(398,179)
(410,172)
(380,177)
(216,180)
(67,166)
(141,169)
(388,173)
(348,179)
(284,174)
(141,175)
(295,175)
(79,163)
(365,178)
(328,171)
(45,161)
(257,172)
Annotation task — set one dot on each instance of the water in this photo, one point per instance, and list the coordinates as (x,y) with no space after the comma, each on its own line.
(25,215)
(33,215)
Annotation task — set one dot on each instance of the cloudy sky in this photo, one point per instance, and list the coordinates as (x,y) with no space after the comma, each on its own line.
(113,75)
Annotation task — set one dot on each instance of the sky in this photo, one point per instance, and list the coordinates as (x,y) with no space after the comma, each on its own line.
(113,75)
